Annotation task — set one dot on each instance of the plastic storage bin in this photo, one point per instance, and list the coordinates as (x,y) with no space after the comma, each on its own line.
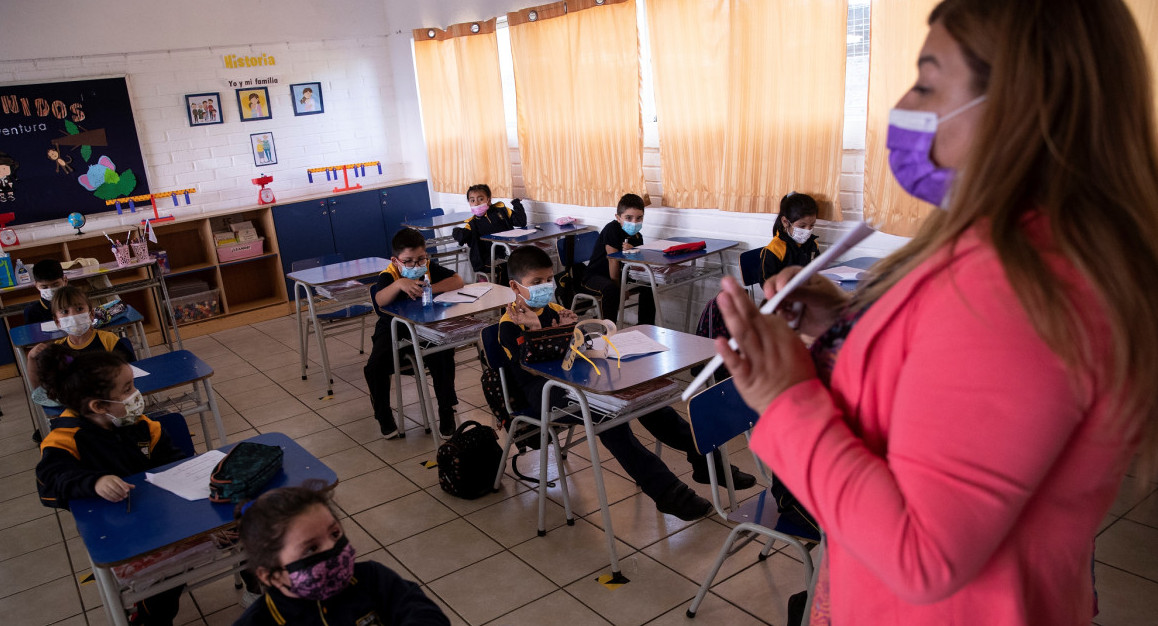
(239,251)
(197,306)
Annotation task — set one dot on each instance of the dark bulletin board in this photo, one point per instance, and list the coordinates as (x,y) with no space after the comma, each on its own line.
(87,125)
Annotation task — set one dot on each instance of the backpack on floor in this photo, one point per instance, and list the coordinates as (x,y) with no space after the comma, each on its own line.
(469,461)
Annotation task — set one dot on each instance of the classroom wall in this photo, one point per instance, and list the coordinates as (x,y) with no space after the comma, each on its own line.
(359,123)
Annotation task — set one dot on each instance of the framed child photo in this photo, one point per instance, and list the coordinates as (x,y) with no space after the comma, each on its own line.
(203,108)
(307,98)
(253,104)
(263,151)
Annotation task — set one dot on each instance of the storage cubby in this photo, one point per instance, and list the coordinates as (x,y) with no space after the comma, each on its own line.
(188,244)
(247,284)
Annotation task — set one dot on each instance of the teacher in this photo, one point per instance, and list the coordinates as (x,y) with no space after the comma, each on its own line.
(963,422)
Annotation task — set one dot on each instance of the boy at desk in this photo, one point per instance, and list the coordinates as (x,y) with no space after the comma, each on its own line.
(603,274)
(487,219)
(48,276)
(532,275)
(410,268)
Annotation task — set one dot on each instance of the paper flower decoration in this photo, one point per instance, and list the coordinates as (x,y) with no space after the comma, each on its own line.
(103,180)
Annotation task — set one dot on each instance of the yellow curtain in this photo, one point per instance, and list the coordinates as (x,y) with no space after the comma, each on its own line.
(577,77)
(898,30)
(1146,15)
(750,101)
(461,99)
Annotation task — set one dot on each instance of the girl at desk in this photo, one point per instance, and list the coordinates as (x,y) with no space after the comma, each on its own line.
(73,314)
(101,437)
(793,241)
(296,546)
(487,219)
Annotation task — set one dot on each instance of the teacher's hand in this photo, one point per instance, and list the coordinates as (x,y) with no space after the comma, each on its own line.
(771,357)
(823,301)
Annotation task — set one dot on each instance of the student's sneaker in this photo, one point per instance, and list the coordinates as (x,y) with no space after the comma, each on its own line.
(679,500)
(446,421)
(389,428)
(741,479)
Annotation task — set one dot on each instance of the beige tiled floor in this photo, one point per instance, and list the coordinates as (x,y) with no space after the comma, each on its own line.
(480,560)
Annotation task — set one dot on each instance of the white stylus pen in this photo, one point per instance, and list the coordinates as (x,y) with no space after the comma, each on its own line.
(843,245)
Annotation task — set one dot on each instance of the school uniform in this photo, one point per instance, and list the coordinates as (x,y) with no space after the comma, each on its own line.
(783,251)
(376,596)
(497,219)
(640,463)
(77,453)
(38,312)
(380,366)
(598,278)
(103,340)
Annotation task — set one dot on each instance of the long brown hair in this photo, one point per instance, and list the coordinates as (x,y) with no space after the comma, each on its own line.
(1068,134)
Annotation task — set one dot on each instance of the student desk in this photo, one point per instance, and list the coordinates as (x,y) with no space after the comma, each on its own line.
(307,281)
(29,335)
(410,313)
(684,351)
(174,369)
(544,231)
(863,263)
(436,223)
(112,535)
(647,260)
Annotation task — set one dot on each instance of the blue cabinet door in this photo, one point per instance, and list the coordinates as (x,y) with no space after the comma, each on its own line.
(400,201)
(303,232)
(358,228)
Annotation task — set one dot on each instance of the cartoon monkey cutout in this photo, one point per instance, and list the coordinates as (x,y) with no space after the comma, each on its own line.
(61,163)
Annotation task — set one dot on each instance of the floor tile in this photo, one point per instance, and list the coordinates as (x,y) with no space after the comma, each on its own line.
(371,489)
(444,549)
(44,603)
(556,608)
(215,596)
(297,426)
(16,485)
(473,593)
(353,462)
(653,591)
(713,610)
(274,411)
(1129,546)
(1123,598)
(693,550)
(569,553)
(27,537)
(637,522)
(764,588)
(34,568)
(404,517)
(385,558)
(1146,512)
(516,519)
(348,411)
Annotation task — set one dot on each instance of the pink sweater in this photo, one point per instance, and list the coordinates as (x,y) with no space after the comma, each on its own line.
(960,473)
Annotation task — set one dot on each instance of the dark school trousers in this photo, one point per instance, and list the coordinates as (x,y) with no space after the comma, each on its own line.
(161,609)
(639,461)
(380,367)
(608,291)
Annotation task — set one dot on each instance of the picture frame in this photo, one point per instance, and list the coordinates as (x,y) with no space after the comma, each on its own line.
(253,104)
(264,152)
(307,98)
(204,109)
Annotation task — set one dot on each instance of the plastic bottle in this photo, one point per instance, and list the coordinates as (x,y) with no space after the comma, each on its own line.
(427,294)
(6,277)
(22,275)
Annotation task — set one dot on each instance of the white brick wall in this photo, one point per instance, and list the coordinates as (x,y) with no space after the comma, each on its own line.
(360,122)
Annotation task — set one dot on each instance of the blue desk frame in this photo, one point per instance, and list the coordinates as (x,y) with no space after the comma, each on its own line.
(646,259)
(160,519)
(544,231)
(174,369)
(684,351)
(437,223)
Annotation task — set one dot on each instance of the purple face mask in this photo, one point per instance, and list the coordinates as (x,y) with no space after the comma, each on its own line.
(320,576)
(480,210)
(910,142)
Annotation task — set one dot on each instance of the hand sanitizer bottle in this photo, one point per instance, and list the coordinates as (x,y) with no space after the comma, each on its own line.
(22,275)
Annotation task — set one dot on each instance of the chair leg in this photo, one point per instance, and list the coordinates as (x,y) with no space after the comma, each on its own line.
(518,419)
(562,479)
(362,337)
(543,463)
(725,552)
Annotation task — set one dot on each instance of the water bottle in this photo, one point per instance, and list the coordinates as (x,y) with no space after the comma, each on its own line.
(427,294)
(22,275)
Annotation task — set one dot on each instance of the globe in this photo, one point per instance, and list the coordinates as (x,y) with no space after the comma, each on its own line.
(76,220)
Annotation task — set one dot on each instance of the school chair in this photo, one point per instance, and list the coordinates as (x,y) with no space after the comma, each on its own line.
(582,245)
(718,415)
(410,369)
(547,430)
(177,428)
(338,316)
(750,272)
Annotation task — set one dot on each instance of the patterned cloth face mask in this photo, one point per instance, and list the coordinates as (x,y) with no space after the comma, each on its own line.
(321,576)
(134,409)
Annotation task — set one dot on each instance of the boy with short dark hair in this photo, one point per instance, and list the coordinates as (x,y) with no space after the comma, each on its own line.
(487,219)
(410,268)
(532,274)
(48,276)
(603,274)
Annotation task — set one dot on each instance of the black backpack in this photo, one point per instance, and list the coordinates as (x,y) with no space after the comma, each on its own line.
(469,461)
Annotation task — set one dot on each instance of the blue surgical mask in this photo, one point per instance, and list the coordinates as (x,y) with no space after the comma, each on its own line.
(540,295)
(631,228)
(417,272)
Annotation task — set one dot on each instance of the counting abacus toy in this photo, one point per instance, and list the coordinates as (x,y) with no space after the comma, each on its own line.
(152,198)
(332,173)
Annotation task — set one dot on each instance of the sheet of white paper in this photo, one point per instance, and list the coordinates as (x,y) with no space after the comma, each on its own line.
(190,480)
(630,343)
(453,297)
(660,244)
(516,232)
(49,327)
(138,372)
(477,289)
(843,272)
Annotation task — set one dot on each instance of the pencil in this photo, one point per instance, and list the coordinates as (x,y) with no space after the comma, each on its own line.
(129,503)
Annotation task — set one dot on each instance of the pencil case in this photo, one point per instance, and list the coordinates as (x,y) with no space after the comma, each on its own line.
(243,472)
(683,248)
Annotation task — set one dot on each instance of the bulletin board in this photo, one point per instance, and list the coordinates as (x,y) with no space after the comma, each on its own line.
(67,146)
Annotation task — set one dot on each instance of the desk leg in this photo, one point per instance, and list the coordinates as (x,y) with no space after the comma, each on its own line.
(623,266)
(494,255)
(399,419)
(420,382)
(110,595)
(301,329)
(139,331)
(35,412)
(211,398)
(155,269)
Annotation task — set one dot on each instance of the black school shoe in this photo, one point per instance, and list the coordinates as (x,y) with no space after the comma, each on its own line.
(740,479)
(679,500)
(389,428)
(446,422)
